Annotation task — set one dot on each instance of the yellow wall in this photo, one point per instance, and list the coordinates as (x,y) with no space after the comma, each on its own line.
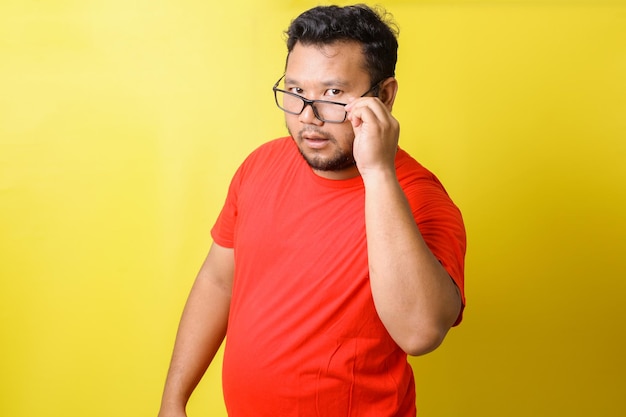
(121,124)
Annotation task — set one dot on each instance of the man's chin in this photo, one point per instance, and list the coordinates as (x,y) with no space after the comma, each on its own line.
(338,162)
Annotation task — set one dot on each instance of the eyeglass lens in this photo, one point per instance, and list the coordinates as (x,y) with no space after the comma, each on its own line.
(328,112)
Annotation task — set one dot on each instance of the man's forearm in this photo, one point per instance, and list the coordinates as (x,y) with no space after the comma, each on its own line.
(414,295)
(201,331)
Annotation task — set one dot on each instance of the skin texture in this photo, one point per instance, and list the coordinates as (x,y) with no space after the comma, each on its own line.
(414,296)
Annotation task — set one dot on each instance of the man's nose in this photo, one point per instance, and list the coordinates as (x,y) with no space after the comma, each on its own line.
(308,115)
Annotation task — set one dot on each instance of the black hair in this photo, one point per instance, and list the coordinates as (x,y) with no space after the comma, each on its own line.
(373,29)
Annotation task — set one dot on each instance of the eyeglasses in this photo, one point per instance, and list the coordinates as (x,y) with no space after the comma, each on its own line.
(324,110)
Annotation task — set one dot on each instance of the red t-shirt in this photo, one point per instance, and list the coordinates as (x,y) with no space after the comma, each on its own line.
(304,338)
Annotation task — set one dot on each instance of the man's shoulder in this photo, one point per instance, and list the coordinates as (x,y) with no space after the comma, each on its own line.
(268,158)
(407,165)
(412,174)
(278,145)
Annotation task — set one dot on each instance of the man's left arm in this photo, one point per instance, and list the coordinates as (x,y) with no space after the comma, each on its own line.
(414,296)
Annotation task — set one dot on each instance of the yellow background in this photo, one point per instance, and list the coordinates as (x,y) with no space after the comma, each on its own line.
(121,123)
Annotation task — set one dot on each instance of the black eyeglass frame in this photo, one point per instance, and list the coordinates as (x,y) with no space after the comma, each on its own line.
(311,103)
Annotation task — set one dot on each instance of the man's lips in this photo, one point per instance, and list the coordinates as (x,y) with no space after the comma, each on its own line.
(315,141)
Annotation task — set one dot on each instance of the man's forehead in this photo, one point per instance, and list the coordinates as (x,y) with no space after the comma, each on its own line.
(337,64)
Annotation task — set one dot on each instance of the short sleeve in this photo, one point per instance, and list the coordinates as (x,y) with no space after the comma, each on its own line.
(223,231)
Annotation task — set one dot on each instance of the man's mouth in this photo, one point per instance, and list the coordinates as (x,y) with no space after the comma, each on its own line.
(313,140)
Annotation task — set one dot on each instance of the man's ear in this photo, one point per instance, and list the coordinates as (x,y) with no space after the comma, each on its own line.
(387,92)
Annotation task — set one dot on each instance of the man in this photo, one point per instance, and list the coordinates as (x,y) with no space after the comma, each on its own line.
(335,255)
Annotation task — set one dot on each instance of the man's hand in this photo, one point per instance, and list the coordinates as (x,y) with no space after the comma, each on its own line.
(376,135)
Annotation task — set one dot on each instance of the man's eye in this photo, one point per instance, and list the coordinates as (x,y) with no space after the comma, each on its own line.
(333,92)
(296,90)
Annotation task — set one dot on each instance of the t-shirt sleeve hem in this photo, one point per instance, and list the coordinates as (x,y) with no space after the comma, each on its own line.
(220,240)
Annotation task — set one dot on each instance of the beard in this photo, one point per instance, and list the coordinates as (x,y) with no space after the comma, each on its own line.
(338,161)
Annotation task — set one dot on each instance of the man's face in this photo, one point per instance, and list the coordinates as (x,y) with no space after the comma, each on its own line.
(335,73)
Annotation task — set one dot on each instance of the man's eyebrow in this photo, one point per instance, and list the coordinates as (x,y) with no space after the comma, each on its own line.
(325,83)
(290,81)
(336,83)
